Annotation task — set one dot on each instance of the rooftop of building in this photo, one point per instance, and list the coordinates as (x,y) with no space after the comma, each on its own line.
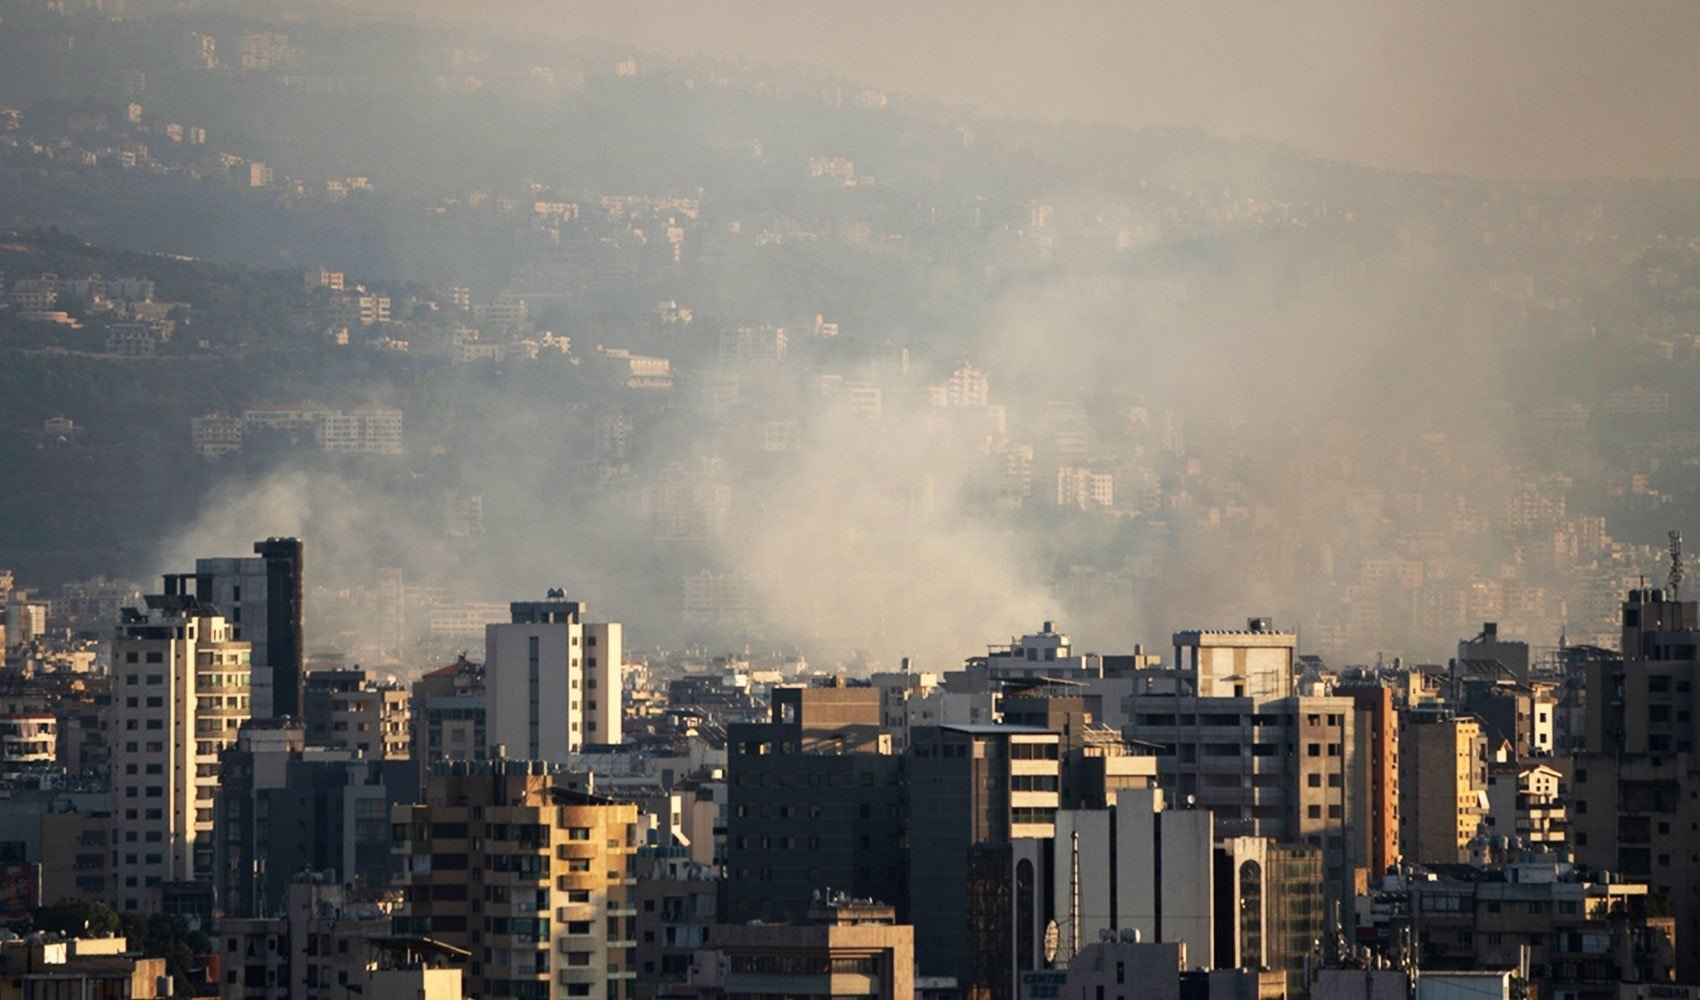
(458,666)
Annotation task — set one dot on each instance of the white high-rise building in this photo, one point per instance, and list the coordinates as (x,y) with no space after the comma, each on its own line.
(180,690)
(552,680)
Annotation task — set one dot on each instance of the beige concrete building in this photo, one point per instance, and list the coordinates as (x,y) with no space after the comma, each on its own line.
(1281,768)
(846,948)
(448,715)
(552,680)
(1442,784)
(1254,663)
(535,880)
(180,692)
(1376,802)
(354,710)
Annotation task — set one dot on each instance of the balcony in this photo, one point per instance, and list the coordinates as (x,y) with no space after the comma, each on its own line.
(574,912)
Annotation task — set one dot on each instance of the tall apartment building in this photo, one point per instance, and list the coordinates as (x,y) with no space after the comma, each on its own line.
(1442,785)
(1235,738)
(352,709)
(972,786)
(448,715)
(1376,795)
(535,880)
(1645,701)
(1634,810)
(552,680)
(180,692)
(263,599)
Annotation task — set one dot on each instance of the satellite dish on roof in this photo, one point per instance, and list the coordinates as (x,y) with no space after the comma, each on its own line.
(1053,941)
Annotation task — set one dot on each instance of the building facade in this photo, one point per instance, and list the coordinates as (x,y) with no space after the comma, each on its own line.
(263,599)
(1443,785)
(975,785)
(180,693)
(534,880)
(354,710)
(552,680)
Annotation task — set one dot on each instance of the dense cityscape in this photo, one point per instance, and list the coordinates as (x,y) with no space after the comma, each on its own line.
(490,513)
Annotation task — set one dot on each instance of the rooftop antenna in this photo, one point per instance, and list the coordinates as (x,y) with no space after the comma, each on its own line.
(1676,571)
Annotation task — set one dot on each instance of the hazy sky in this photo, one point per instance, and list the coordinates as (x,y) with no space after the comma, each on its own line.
(1558,88)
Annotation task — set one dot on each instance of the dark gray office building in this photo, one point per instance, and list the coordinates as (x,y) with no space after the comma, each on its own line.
(284,808)
(806,813)
(970,786)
